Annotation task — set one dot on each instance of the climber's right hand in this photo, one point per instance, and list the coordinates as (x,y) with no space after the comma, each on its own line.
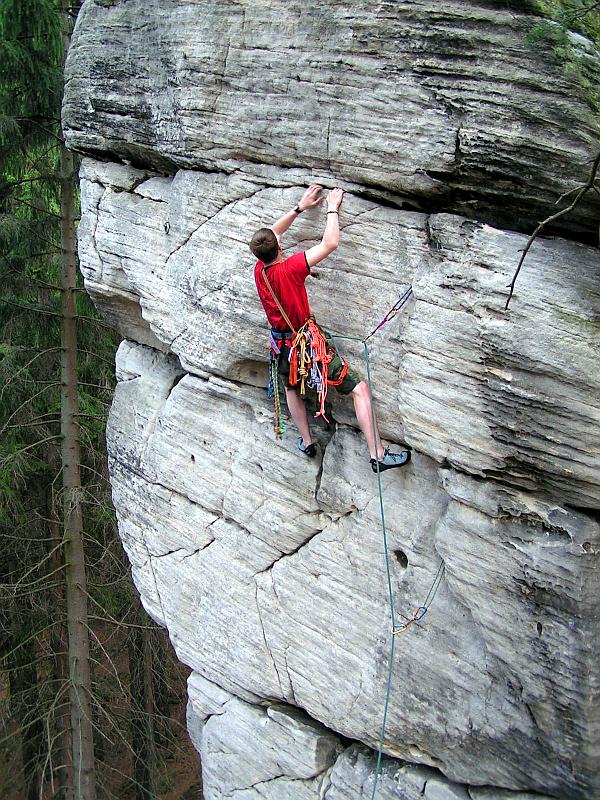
(334,199)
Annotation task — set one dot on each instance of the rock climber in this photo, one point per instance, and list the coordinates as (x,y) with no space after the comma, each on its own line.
(280,284)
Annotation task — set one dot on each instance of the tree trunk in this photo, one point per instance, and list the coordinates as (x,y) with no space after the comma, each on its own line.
(82,734)
(150,709)
(77,615)
(163,694)
(25,703)
(62,751)
(142,712)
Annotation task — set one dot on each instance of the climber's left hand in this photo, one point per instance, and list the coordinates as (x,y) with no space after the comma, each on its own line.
(311,198)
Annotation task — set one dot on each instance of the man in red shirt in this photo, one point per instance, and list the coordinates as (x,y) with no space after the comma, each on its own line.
(284,299)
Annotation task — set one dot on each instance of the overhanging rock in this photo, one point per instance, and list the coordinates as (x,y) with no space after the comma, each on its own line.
(449,104)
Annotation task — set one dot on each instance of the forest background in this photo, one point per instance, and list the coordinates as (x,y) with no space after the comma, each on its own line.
(92,699)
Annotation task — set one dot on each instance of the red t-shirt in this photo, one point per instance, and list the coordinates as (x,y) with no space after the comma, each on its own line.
(287,279)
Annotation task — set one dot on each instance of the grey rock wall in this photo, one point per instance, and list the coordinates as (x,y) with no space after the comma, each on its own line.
(269,577)
(266,568)
(445,103)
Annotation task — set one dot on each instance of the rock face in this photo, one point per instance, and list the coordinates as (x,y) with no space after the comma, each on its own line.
(267,568)
(448,104)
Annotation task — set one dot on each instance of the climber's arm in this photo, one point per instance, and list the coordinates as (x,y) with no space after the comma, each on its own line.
(310,199)
(331,235)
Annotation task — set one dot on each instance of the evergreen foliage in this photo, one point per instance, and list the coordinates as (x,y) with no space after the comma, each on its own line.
(571,32)
(34,739)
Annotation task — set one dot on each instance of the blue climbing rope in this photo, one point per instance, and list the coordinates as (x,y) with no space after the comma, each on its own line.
(422,609)
(388,569)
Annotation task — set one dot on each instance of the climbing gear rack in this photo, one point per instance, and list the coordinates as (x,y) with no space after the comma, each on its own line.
(310,355)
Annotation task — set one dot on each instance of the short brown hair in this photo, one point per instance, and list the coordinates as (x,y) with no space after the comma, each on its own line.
(264,245)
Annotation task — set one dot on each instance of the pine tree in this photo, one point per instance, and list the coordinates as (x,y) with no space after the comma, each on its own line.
(38,205)
(56,378)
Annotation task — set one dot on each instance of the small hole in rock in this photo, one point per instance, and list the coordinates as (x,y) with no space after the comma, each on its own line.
(193,459)
(587,547)
(402,558)
(539,628)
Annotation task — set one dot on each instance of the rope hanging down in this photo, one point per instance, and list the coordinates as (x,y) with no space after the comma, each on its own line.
(273,390)
(422,609)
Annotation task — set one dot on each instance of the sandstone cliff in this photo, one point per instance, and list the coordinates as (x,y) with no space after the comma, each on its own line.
(203,121)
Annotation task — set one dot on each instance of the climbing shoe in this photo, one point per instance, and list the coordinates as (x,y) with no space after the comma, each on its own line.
(391,460)
(309,450)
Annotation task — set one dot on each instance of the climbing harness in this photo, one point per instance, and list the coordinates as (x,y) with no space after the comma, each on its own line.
(310,354)
(301,342)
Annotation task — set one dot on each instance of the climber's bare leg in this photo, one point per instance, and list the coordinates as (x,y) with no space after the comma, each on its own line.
(362,407)
(297,409)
